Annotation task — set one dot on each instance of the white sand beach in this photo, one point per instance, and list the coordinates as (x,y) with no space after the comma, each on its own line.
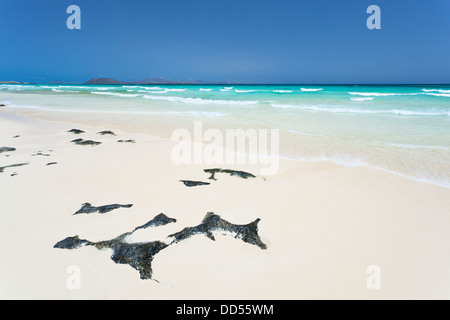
(324,224)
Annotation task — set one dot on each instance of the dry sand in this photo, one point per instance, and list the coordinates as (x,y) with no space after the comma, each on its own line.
(324,224)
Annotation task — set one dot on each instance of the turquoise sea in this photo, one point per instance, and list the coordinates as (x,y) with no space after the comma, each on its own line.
(401,129)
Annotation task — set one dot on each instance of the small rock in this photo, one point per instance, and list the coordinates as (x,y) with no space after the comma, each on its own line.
(7,149)
(241,174)
(12,166)
(88,208)
(189,183)
(106,132)
(82,142)
(76,131)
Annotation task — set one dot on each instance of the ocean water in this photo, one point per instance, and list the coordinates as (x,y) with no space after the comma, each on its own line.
(401,129)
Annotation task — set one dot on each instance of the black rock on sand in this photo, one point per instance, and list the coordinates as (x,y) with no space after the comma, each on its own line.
(106,132)
(76,131)
(190,183)
(87,208)
(241,174)
(6,149)
(213,222)
(2,169)
(137,255)
(140,255)
(82,142)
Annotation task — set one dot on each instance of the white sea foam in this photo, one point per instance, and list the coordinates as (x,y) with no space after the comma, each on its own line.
(124,95)
(310,89)
(438,94)
(244,91)
(59,90)
(174,90)
(282,91)
(208,114)
(436,90)
(416,146)
(363,99)
(203,89)
(200,101)
(339,109)
(379,94)
(304,133)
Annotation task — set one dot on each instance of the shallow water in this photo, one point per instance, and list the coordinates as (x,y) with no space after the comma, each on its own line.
(403,129)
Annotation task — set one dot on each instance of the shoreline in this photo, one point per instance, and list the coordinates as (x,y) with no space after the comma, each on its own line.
(46,116)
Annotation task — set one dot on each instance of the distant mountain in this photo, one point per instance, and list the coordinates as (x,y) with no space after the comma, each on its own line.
(104,81)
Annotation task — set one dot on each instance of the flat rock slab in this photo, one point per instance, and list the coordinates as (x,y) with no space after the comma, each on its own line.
(240,174)
(40,154)
(190,183)
(213,222)
(140,255)
(83,142)
(87,208)
(76,131)
(2,169)
(126,141)
(106,132)
(7,149)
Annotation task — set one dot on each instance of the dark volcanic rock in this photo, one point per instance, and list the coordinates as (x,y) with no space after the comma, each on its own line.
(51,163)
(106,132)
(2,105)
(241,174)
(71,243)
(88,208)
(6,149)
(12,166)
(126,141)
(160,220)
(76,131)
(82,142)
(41,154)
(189,183)
(213,222)
(16,136)
(137,255)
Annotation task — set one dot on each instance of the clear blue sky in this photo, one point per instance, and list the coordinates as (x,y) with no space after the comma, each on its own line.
(253,41)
